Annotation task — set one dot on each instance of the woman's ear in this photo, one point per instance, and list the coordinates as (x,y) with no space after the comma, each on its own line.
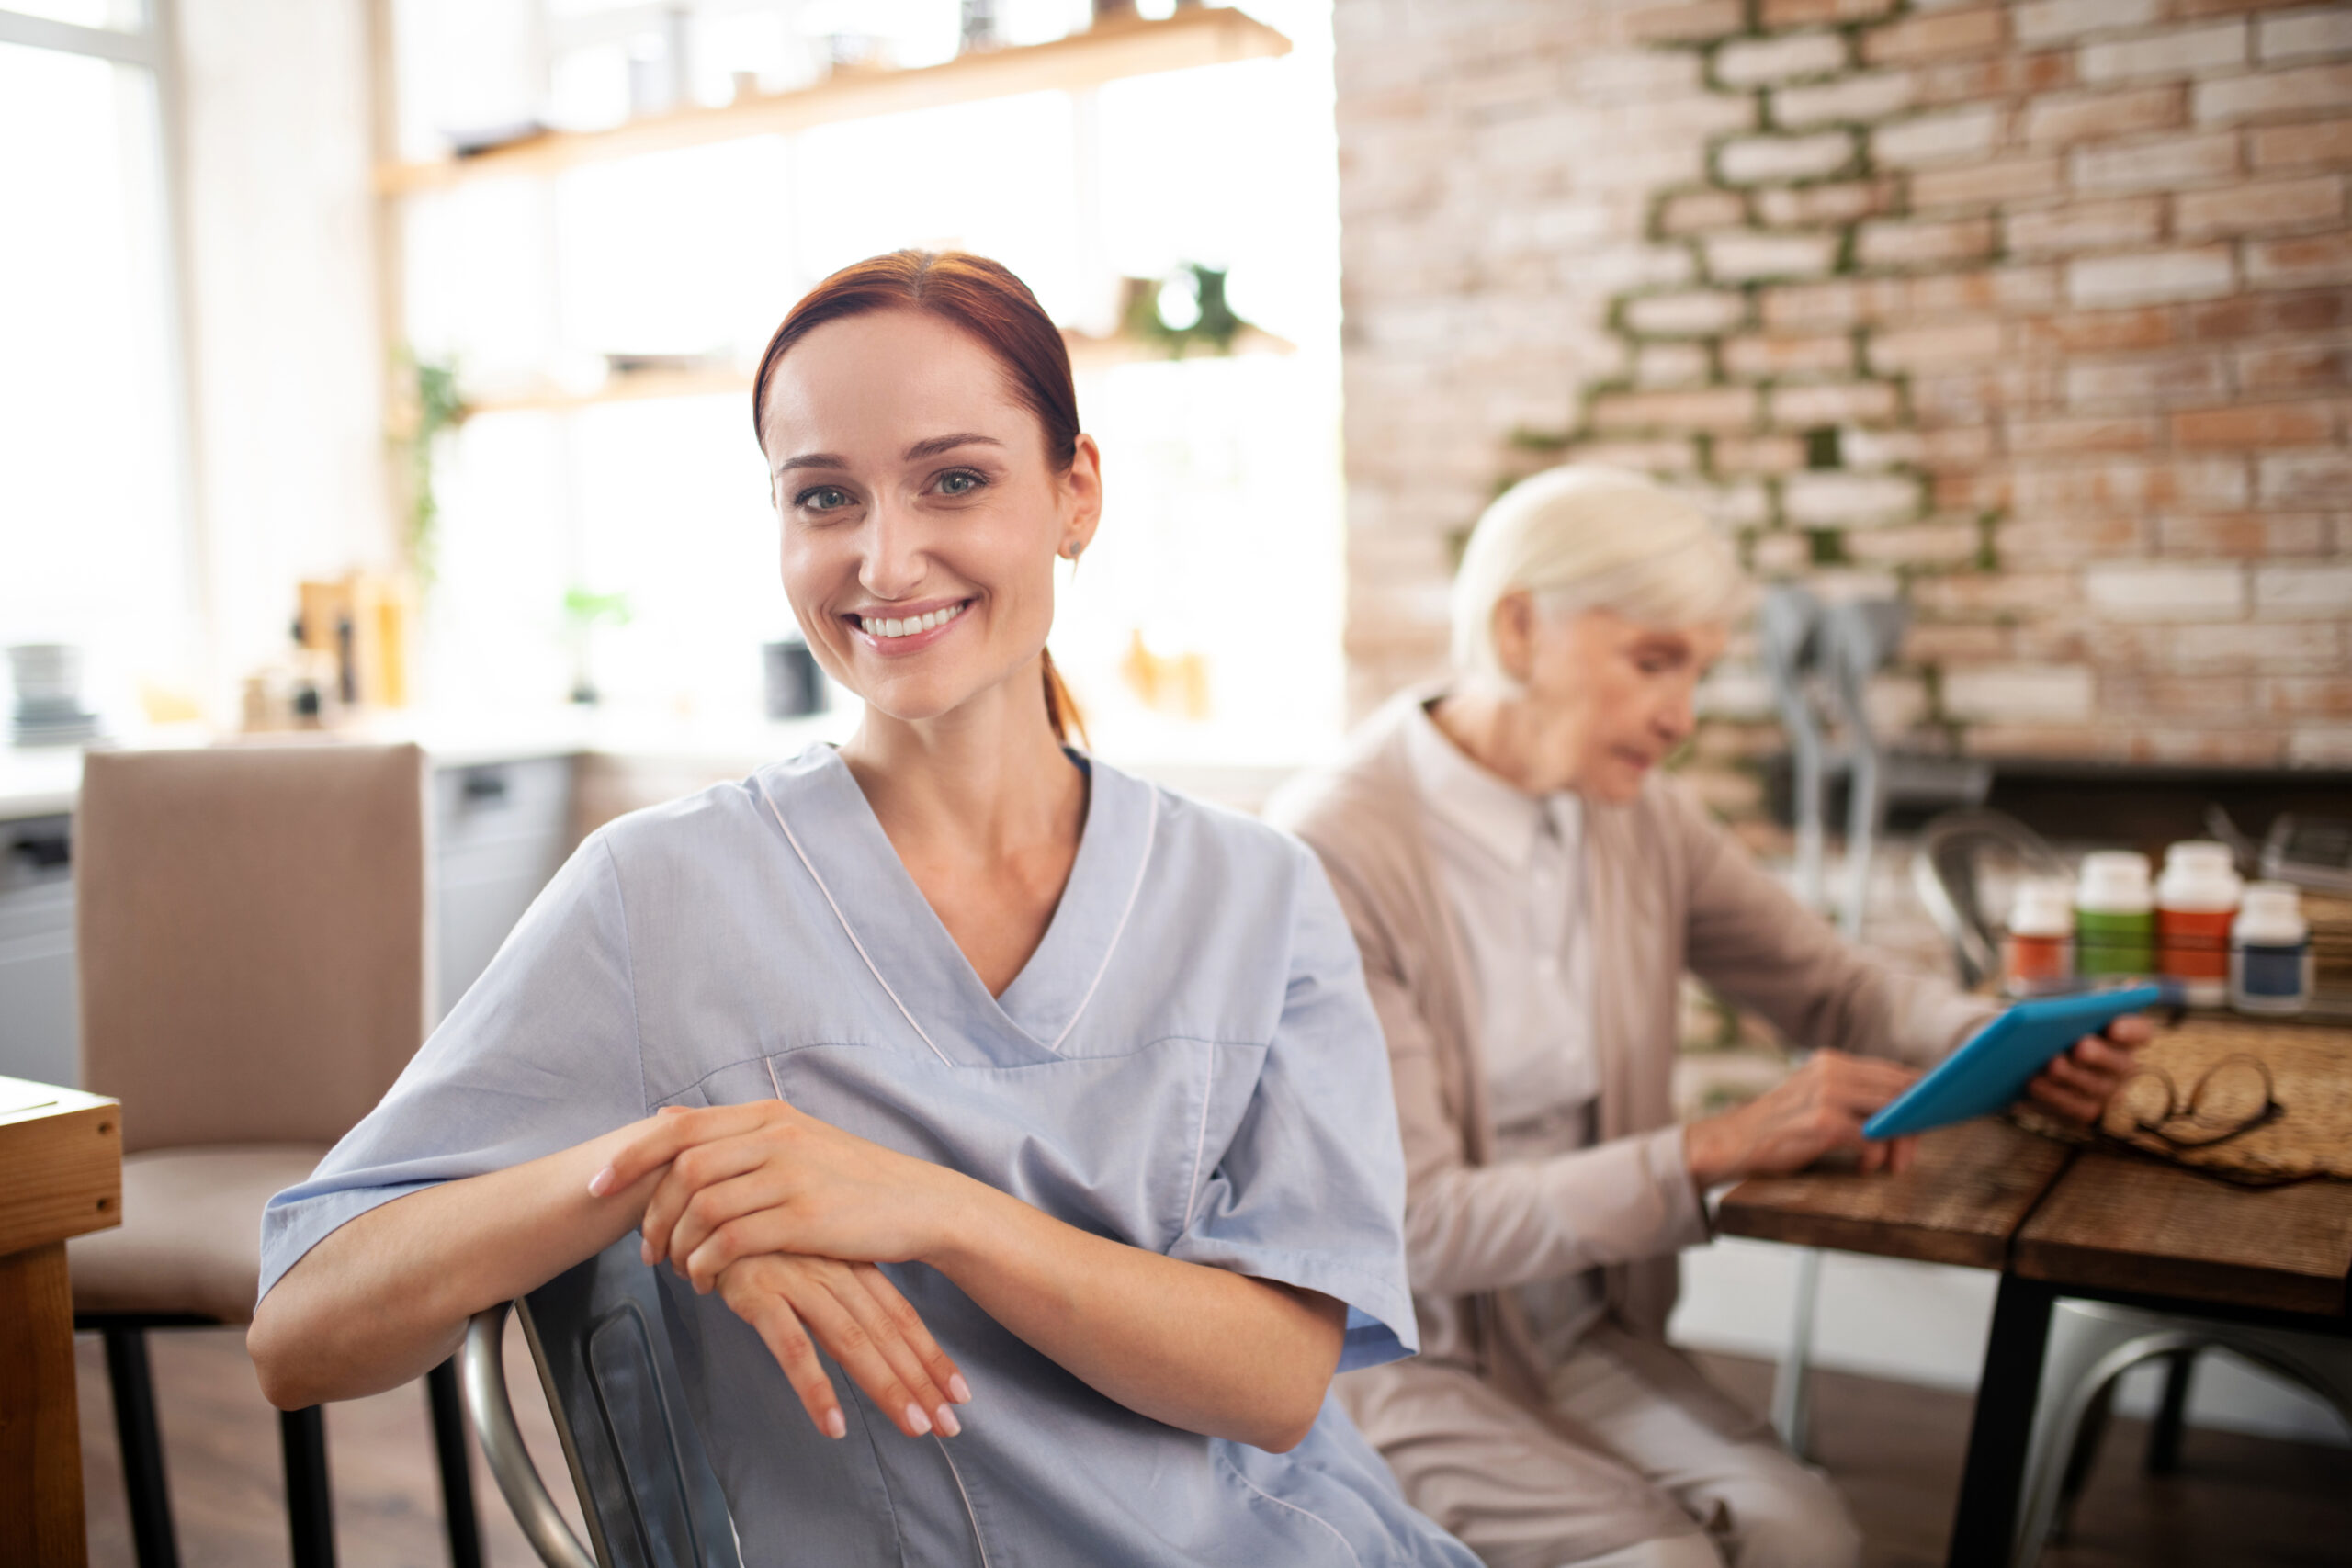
(1082,499)
(1514,633)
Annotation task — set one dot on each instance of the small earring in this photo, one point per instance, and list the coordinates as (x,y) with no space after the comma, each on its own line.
(1071,553)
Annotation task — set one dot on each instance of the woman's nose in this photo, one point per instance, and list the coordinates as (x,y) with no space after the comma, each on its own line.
(891,566)
(1679,716)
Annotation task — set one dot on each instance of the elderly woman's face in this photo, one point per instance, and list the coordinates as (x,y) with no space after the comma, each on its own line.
(1610,696)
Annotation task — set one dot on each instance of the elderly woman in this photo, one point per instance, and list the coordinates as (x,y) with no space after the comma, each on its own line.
(1527,893)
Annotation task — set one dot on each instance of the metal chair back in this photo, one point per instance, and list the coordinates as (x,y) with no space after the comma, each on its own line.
(645,1483)
(1948,874)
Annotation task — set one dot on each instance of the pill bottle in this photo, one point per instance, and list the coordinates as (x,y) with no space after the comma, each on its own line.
(2196,899)
(2037,950)
(2271,951)
(2115,917)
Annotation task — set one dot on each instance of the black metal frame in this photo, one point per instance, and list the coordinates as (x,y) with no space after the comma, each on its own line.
(1992,1483)
(310,1505)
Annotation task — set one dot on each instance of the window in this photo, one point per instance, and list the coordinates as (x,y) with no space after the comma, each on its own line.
(1206,622)
(94,519)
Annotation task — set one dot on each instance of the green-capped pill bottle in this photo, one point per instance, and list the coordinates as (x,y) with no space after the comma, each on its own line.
(2115,916)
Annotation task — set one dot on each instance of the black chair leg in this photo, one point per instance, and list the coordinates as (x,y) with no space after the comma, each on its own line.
(2172,1411)
(309,1515)
(151,1537)
(457,1473)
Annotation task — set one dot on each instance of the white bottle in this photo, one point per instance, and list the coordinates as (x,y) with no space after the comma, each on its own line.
(2271,951)
(2195,899)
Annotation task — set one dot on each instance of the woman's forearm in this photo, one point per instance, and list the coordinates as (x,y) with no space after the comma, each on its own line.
(385,1298)
(1199,1347)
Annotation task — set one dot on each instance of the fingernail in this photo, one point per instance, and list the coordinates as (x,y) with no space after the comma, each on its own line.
(958,1390)
(645,1250)
(601,1183)
(947,1422)
(917,1419)
(836,1427)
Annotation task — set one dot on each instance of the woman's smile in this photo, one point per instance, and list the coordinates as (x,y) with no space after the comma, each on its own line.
(894,630)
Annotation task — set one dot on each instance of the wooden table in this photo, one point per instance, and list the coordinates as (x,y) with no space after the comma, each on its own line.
(2061,1221)
(61,1174)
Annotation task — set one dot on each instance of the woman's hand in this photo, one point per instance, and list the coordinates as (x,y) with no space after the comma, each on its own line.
(2080,1080)
(799,1304)
(1816,1109)
(762,1177)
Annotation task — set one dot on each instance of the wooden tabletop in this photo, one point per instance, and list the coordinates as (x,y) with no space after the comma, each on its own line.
(1990,1195)
(61,1164)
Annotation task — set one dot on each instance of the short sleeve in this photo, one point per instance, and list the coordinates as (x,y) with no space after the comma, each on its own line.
(541,1054)
(1311,1190)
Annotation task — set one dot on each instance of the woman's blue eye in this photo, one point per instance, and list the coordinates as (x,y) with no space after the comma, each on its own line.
(960,482)
(823,498)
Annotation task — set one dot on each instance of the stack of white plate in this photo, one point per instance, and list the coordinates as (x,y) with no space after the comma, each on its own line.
(48,677)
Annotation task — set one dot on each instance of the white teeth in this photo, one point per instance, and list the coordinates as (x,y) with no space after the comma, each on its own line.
(890,626)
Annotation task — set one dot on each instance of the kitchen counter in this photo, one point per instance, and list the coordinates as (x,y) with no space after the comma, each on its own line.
(45,781)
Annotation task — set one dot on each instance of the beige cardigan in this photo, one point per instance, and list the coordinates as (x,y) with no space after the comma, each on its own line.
(1667,889)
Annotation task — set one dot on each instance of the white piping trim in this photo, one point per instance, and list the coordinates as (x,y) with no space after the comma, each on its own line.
(811,870)
(980,1545)
(1199,1144)
(770,1065)
(1345,1545)
(1150,835)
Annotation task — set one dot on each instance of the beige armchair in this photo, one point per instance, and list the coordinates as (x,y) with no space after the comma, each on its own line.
(254,976)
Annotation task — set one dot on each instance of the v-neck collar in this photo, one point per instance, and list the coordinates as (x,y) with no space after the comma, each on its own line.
(828,825)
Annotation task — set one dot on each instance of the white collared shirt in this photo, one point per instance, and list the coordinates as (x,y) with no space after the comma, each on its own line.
(1511,868)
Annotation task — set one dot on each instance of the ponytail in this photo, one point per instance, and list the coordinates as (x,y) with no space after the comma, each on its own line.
(1061,708)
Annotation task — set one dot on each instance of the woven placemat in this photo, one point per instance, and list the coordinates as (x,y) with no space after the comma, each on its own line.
(2287,1085)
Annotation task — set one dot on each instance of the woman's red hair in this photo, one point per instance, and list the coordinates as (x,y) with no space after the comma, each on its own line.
(983,299)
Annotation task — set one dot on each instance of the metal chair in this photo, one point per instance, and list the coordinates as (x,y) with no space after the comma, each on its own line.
(1948,874)
(645,1485)
(2092,1344)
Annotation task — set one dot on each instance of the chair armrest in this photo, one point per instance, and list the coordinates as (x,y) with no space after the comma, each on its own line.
(492,1417)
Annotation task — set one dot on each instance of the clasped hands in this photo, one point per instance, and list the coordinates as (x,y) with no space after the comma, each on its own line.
(786,1217)
(1819,1109)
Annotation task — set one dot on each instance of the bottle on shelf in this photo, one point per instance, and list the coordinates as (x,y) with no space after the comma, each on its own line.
(2271,951)
(2115,918)
(2038,948)
(2196,899)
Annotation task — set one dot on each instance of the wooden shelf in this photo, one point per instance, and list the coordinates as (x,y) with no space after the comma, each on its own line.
(1085,353)
(1195,35)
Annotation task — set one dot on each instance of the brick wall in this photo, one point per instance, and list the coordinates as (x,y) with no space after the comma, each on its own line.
(2038,314)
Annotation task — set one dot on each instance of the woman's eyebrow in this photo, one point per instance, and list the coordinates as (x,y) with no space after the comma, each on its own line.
(813,460)
(938,444)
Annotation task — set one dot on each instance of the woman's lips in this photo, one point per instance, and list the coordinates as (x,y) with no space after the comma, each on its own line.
(880,642)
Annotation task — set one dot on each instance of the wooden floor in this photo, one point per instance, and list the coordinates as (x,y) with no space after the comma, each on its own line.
(2245,1502)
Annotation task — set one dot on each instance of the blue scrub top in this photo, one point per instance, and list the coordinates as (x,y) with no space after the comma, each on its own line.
(1189,1063)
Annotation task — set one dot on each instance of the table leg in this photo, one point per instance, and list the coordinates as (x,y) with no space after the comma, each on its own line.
(1985,1524)
(40,1425)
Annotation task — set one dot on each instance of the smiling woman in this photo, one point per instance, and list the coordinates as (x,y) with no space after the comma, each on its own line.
(947,309)
(1045,1104)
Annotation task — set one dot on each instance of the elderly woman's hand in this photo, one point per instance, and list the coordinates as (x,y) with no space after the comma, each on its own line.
(1816,1111)
(2080,1080)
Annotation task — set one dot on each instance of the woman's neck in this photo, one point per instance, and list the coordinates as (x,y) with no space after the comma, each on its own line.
(1501,734)
(987,782)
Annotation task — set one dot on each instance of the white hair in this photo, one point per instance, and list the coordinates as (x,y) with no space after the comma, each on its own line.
(1588,537)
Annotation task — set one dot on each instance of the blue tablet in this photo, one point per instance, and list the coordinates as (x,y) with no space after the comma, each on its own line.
(1992,1066)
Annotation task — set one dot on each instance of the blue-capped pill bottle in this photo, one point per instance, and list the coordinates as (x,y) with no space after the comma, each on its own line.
(2271,951)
